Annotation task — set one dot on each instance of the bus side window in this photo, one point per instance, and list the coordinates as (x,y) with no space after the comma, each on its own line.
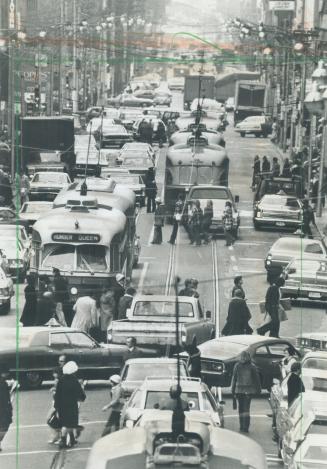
(114,257)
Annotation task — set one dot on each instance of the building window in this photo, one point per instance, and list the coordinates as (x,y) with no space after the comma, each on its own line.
(31,5)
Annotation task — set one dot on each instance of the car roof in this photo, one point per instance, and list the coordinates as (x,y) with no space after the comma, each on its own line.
(315,354)
(154,360)
(164,384)
(246,339)
(149,298)
(296,240)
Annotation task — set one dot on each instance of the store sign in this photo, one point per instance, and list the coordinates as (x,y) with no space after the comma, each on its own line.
(76,237)
(281,5)
(11,18)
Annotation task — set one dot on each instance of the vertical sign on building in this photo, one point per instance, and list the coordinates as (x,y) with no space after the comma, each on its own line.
(11,19)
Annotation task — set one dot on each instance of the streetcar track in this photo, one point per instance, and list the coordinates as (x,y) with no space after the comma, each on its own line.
(215,280)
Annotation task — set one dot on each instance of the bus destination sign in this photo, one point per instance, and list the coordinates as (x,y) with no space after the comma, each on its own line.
(76,237)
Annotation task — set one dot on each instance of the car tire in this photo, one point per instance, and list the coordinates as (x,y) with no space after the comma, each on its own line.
(242,134)
(6,307)
(31,380)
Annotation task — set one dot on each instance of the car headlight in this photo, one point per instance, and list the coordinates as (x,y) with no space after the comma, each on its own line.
(129,424)
(4,291)
(259,213)
(73,291)
(109,336)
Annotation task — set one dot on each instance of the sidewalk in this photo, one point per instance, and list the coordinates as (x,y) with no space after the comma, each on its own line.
(321,223)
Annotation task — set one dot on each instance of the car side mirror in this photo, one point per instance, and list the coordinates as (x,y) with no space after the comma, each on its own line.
(208,314)
(237,199)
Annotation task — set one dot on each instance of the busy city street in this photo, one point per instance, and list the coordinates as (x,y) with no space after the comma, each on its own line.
(163,234)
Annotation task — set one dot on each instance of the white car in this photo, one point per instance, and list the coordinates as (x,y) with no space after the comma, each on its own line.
(47,185)
(311,454)
(6,292)
(32,210)
(256,125)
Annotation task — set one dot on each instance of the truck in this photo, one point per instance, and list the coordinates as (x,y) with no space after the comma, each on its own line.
(250,100)
(47,144)
(151,320)
(196,86)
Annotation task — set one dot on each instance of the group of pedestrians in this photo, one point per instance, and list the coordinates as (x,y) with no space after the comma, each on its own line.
(90,313)
(273,168)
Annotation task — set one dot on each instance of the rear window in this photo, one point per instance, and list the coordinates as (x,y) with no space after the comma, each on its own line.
(313,248)
(318,427)
(315,363)
(284,201)
(220,348)
(209,193)
(139,371)
(163,308)
(318,453)
(155,399)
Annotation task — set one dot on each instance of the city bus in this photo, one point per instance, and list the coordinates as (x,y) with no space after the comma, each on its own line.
(89,245)
(193,163)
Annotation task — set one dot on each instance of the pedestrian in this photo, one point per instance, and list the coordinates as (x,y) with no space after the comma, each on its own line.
(148,135)
(287,173)
(194,360)
(28,317)
(288,360)
(115,404)
(314,189)
(118,288)
(161,133)
(188,289)
(308,219)
(177,218)
(265,168)
(272,309)
(132,349)
(53,418)
(68,394)
(245,385)
(228,224)
(196,224)
(5,189)
(207,220)
(61,294)
(159,221)
(256,170)
(275,167)
(106,312)
(194,286)
(150,191)
(295,385)
(125,302)
(238,316)
(238,285)
(143,131)
(46,309)
(5,404)
(85,317)
(23,183)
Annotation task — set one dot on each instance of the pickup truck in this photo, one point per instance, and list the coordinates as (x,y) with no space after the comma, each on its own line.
(151,320)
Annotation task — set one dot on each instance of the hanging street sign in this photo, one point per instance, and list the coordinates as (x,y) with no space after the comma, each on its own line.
(281,5)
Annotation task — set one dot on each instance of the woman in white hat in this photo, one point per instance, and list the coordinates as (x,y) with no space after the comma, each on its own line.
(115,404)
(68,394)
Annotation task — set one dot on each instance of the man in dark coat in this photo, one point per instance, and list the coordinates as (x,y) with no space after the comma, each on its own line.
(5,404)
(238,316)
(28,317)
(118,290)
(125,302)
(308,219)
(133,351)
(238,285)
(159,221)
(150,191)
(272,308)
(68,394)
(256,170)
(61,294)
(46,309)
(294,384)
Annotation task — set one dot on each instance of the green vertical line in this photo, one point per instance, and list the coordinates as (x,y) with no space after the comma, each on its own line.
(15,135)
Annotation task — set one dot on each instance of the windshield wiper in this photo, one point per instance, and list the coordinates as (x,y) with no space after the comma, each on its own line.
(87,265)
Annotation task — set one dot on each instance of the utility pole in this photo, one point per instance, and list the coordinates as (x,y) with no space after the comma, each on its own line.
(75,85)
(323,158)
(61,30)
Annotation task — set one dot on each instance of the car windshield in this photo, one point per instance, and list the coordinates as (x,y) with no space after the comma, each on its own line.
(163,308)
(127,179)
(316,453)
(139,371)
(57,178)
(143,162)
(315,363)
(281,201)
(221,348)
(156,399)
(84,258)
(36,208)
(208,193)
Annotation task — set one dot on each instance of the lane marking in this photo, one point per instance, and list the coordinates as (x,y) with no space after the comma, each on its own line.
(151,236)
(142,277)
(255,259)
(43,451)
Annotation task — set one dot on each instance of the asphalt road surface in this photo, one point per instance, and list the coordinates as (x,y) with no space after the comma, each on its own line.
(215,266)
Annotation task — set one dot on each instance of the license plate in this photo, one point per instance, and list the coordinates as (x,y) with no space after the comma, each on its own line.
(280,223)
(314,295)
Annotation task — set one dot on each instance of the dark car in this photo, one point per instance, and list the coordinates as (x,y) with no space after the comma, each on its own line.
(40,348)
(278,211)
(267,184)
(218,357)
(129,100)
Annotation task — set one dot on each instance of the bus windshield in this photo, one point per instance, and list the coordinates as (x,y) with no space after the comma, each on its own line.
(83,258)
(184,175)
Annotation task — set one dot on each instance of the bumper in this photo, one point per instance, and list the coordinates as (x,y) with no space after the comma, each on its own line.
(277,223)
(311,294)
